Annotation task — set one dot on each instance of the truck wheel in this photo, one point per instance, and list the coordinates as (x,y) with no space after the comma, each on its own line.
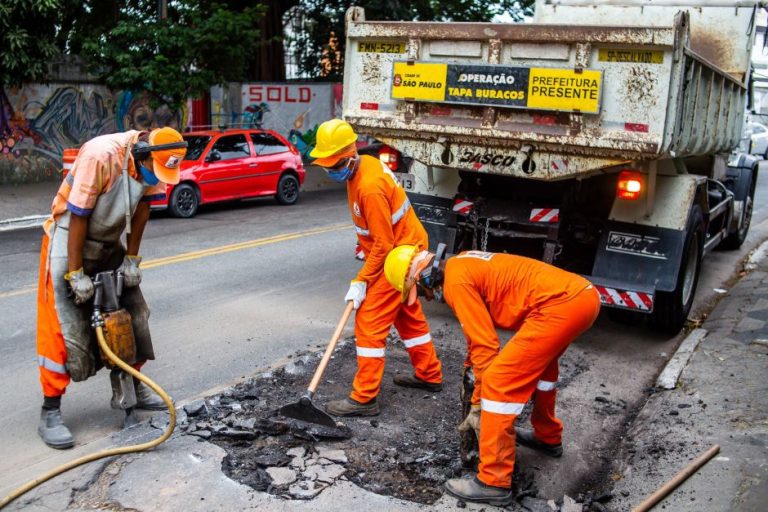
(184,201)
(736,239)
(671,308)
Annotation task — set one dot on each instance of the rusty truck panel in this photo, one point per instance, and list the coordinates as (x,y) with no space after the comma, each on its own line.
(656,97)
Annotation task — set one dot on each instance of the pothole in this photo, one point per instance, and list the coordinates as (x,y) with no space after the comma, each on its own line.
(407,452)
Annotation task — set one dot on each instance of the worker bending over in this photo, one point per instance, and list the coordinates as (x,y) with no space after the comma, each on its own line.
(383,218)
(546,306)
(111,181)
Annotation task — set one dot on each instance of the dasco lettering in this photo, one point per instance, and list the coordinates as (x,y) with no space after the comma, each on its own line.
(494,159)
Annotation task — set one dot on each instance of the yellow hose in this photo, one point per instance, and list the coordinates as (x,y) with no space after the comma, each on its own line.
(112,451)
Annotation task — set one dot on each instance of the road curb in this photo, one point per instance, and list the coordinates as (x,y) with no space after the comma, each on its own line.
(31,221)
(668,377)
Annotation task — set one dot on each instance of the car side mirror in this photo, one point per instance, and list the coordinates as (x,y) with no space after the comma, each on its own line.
(213,156)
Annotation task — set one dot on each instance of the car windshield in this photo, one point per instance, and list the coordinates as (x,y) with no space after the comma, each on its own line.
(196,145)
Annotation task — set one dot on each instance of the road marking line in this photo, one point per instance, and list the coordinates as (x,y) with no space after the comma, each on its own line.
(193,255)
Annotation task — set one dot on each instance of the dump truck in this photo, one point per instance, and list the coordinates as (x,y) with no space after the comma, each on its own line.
(601,138)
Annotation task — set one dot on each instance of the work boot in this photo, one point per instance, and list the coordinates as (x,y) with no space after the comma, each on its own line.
(472,489)
(526,438)
(53,431)
(349,407)
(146,398)
(412,381)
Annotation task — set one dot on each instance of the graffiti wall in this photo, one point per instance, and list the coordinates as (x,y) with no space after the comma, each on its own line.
(292,109)
(38,121)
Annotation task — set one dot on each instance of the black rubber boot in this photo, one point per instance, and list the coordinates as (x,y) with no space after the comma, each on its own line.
(53,431)
(146,398)
(412,381)
(349,407)
(472,489)
(526,438)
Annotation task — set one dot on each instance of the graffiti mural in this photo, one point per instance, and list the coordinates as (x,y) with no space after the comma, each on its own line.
(37,122)
(134,112)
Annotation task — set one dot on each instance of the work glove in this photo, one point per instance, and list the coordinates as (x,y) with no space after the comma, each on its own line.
(81,285)
(130,270)
(472,421)
(356,293)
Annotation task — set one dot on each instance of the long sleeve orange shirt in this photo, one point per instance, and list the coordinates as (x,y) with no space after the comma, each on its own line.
(382,215)
(489,290)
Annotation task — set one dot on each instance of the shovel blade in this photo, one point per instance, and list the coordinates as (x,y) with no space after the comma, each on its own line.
(307,412)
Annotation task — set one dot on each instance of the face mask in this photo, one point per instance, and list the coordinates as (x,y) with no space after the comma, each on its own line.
(149,176)
(343,174)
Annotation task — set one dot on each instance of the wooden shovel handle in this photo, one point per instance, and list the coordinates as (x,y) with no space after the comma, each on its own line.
(329,350)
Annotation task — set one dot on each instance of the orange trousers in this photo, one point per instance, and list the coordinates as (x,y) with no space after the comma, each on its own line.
(51,347)
(378,312)
(525,367)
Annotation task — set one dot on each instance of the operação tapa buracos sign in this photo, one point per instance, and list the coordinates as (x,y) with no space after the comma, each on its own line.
(502,86)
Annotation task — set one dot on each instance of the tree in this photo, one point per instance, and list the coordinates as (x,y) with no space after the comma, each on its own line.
(198,44)
(27,38)
(323,39)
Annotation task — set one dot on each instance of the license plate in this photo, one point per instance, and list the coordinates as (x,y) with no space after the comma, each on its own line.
(407,181)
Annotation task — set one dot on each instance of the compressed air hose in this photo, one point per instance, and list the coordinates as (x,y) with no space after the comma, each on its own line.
(111,451)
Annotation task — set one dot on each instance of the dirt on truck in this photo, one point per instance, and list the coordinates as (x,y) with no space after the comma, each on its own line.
(602,138)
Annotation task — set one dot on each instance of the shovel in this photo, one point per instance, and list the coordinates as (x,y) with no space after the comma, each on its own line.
(304,410)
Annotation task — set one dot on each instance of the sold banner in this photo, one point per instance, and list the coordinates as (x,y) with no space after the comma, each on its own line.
(565,90)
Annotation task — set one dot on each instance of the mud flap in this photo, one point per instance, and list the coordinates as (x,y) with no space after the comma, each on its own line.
(437,217)
(639,257)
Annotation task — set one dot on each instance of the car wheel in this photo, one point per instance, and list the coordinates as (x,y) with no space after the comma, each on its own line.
(671,308)
(184,201)
(287,189)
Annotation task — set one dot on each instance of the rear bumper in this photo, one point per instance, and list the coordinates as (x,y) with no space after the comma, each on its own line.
(622,295)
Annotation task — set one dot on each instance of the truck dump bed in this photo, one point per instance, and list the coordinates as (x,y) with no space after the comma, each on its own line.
(541,101)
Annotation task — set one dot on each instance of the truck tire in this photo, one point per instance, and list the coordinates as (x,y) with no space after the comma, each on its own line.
(671,308)
(184,201)
(734,240)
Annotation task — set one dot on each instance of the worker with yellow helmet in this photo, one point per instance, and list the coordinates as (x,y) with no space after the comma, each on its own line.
(383,218)
(546,306)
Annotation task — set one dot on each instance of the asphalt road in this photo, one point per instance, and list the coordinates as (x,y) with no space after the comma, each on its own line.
(240,287)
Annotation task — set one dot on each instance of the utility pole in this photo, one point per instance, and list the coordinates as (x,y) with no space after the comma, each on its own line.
(162,9)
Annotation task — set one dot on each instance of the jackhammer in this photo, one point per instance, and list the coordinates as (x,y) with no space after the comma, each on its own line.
(114,333)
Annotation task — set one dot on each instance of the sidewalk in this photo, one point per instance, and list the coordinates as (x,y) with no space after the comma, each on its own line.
(27,205)
(721,398)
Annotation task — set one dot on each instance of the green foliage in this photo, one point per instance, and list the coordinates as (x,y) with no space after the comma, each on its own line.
(198,45)
(27,33)
(326,20)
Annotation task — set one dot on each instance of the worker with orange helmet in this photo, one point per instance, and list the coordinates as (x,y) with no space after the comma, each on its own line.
(546,306)
(106,192)
(383,218)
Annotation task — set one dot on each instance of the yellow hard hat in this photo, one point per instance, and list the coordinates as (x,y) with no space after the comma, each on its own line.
(332,137)
(396,268)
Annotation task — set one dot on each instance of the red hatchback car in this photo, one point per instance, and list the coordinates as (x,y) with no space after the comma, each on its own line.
(234,164)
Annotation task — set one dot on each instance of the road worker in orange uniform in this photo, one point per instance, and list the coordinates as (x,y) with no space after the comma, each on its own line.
(383,218)
(547,308)
(107,190)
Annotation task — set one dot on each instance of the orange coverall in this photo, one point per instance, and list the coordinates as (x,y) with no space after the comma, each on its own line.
(548,308)
(383,219)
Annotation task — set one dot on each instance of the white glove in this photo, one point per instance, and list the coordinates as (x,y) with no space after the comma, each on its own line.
(81,285)
(472,421)
(130,270)
(356,293)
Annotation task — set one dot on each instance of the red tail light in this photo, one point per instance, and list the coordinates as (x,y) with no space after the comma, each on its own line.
(389,156)
(630,185)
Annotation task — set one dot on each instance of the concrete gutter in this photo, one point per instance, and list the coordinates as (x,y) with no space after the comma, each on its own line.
(30,221)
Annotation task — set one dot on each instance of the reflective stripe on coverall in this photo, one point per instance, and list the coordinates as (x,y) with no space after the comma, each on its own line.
(548,308)
(384,219)
(66,344)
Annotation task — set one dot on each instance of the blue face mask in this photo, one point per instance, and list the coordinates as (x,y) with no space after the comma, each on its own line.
(343,174)
(149,176)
